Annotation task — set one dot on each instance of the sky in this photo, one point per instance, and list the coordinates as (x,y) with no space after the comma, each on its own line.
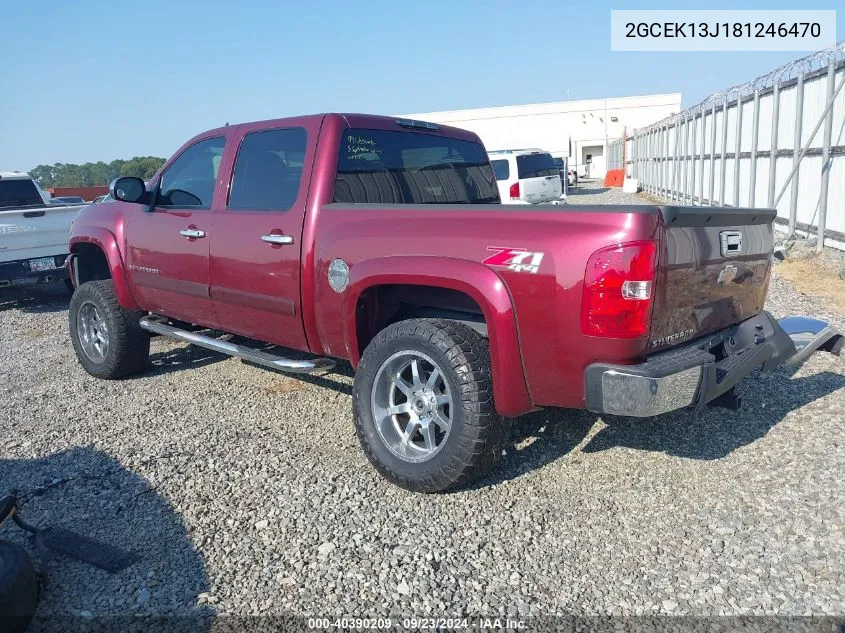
(98,80)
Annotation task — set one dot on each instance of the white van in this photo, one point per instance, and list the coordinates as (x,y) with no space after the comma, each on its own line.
(526,176)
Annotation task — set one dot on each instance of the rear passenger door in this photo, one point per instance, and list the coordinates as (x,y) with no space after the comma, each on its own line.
(255,248)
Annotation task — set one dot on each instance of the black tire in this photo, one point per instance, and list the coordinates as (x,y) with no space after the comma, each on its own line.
(474,443)
(128,349)
(18,588)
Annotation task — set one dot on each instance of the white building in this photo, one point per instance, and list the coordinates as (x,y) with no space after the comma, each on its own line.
(577,129)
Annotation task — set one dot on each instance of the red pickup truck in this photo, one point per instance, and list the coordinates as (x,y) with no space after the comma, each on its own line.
(383,242)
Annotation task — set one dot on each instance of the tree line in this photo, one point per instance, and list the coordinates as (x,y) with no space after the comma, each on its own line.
(94,174)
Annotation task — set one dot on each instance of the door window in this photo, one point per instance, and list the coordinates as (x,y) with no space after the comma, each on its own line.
(268,170)
(189,180)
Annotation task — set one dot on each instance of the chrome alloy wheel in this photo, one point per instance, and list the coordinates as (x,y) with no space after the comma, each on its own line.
(412,406)
(93,334)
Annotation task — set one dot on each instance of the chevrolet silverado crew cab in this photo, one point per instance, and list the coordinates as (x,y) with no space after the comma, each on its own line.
(33,233)
(383,242)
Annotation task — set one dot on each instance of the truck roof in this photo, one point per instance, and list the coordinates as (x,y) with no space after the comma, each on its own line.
(517,152)
(354,119)
(15,175)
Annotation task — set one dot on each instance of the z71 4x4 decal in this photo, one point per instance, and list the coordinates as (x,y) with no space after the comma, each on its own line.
(518,260)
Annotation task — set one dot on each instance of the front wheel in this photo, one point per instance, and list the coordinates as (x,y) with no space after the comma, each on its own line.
(423,405)
(107,338)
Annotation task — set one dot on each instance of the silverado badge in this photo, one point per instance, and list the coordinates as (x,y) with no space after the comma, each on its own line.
(673,338)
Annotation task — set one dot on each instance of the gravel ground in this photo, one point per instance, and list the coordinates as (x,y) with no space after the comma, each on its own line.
(245,492)
(592,192)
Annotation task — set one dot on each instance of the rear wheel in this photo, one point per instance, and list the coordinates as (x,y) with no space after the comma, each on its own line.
(423,405)
(107,338)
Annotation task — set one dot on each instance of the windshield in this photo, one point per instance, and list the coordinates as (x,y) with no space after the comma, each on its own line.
(412,168)
(19,193)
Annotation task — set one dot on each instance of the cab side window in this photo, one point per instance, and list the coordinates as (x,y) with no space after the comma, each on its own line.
(189,180)
(268,170)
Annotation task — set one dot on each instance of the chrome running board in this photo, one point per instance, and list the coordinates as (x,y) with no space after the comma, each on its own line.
(316,366)
(810,335)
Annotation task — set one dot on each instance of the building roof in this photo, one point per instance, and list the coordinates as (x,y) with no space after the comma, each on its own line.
(531,109)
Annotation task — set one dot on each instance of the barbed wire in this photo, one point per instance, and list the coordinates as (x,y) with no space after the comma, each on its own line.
(805,65)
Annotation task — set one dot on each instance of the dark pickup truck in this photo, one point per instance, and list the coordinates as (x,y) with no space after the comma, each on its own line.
(383,242)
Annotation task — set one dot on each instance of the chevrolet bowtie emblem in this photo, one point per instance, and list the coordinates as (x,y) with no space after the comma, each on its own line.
(727,274)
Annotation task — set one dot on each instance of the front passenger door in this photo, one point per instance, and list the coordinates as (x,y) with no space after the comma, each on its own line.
(169,246)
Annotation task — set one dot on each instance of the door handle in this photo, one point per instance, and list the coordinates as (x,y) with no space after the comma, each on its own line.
(192,233)
(274,238)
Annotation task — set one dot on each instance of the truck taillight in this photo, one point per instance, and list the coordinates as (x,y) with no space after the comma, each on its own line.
(617,296)
(515,191)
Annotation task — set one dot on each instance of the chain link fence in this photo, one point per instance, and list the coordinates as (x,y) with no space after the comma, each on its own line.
(777,141)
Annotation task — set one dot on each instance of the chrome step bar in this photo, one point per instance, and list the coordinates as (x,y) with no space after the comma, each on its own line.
(316,366)
(810,335)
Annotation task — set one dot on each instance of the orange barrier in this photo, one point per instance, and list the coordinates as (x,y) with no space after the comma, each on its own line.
(614,178)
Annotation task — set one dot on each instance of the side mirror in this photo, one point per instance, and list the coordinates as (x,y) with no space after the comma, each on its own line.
(128,189)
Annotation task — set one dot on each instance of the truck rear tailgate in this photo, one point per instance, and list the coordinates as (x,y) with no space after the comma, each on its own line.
(35,232)
(713,271)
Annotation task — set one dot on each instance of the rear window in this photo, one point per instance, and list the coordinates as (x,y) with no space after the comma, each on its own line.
(502,169)
(536,166)
(19,193)
(386,166)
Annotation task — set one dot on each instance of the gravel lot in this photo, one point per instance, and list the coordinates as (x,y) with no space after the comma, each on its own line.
(245,492)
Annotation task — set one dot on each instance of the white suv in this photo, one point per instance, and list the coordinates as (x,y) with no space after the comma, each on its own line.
(526,176)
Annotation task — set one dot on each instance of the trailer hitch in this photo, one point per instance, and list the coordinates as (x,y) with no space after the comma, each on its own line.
(730,400)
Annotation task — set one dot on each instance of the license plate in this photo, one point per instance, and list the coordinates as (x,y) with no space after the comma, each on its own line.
(45,263)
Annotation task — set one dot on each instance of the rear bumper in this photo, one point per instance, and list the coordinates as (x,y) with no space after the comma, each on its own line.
(18,273)
(698,372)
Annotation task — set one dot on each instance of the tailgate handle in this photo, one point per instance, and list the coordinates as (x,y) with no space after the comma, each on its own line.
(731,242)
(33,214)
